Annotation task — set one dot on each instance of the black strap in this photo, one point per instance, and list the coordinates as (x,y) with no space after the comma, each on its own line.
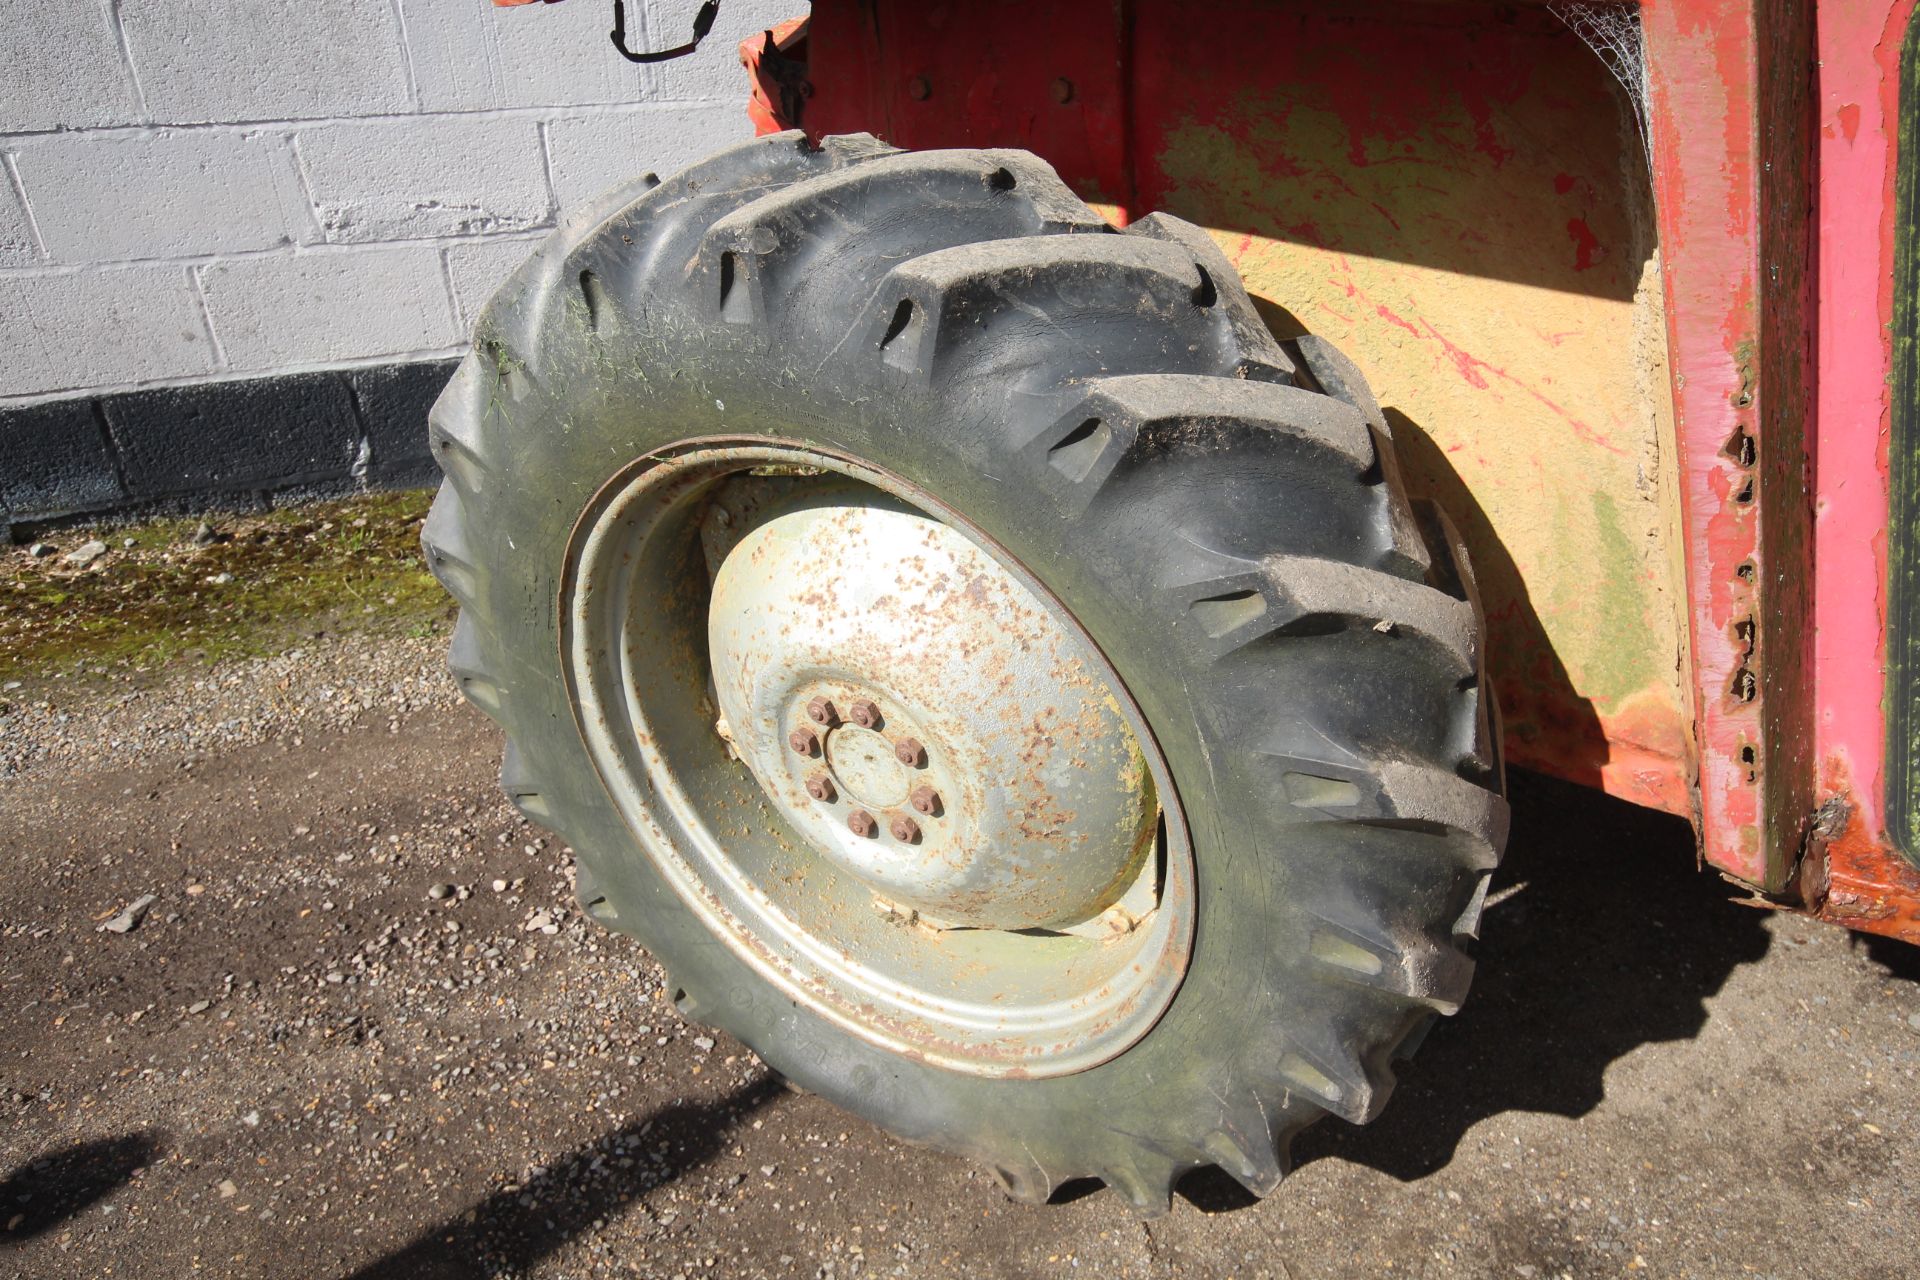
(702,23)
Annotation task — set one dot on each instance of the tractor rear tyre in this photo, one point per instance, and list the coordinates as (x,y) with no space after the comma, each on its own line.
(1005,687)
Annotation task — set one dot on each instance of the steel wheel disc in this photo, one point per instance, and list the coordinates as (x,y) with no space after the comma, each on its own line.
(877,759)
(865,653)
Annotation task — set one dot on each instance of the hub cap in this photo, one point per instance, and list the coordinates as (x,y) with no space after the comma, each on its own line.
(973,689)
(876,759)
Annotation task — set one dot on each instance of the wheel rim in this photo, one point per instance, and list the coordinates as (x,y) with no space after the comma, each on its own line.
(875,758)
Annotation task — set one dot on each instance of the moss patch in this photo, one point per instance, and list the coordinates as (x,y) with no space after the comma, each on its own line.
(264,582)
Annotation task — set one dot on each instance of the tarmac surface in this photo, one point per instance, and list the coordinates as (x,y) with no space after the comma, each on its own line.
(362,1031)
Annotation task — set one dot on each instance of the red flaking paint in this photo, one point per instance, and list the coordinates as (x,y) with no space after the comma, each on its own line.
(1487,78)
(1485,139)
(1563,182)
(1587,249)
(1470,365)
(1848,117)
(1633,758)
(1413,329)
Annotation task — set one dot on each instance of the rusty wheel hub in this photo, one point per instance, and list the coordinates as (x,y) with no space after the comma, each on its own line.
(953,676)
(908,790)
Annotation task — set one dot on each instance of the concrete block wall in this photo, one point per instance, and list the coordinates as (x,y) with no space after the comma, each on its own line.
(200,191)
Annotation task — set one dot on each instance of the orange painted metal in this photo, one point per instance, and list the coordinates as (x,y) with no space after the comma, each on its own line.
(776,63)
(1852,876)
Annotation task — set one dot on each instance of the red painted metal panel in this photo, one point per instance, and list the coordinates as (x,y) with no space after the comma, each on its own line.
(1733,233)
(980,73)
(1854,876)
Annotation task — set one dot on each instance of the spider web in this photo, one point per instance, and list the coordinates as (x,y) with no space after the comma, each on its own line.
(1612,31)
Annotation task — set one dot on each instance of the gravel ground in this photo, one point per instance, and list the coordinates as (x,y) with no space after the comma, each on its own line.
(327,687)
(361,1030)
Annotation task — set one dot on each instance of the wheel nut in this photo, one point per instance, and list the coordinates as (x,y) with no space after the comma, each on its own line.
(909,751)
(820,711)
(925,799)
(820,787)
(904,829)
(861,823)
(863,713)
(803,740)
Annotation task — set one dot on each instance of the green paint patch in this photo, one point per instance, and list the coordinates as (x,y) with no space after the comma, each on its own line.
(265,582)
(1616,672)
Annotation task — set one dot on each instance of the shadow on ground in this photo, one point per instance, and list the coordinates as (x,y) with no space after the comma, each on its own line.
(1896,959)
(1609,938)
(50,1189)
(1605,937)
(511,1230)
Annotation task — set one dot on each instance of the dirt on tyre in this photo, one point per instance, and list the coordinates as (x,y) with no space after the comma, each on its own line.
(1006,688)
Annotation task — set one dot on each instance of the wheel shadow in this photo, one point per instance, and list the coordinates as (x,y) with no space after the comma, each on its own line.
(1897,959)
(506,1233)
(1612,939)
(1605,933)
(1604,936)
(50,1189)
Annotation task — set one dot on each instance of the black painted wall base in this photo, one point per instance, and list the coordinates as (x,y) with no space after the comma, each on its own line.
(217,445)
